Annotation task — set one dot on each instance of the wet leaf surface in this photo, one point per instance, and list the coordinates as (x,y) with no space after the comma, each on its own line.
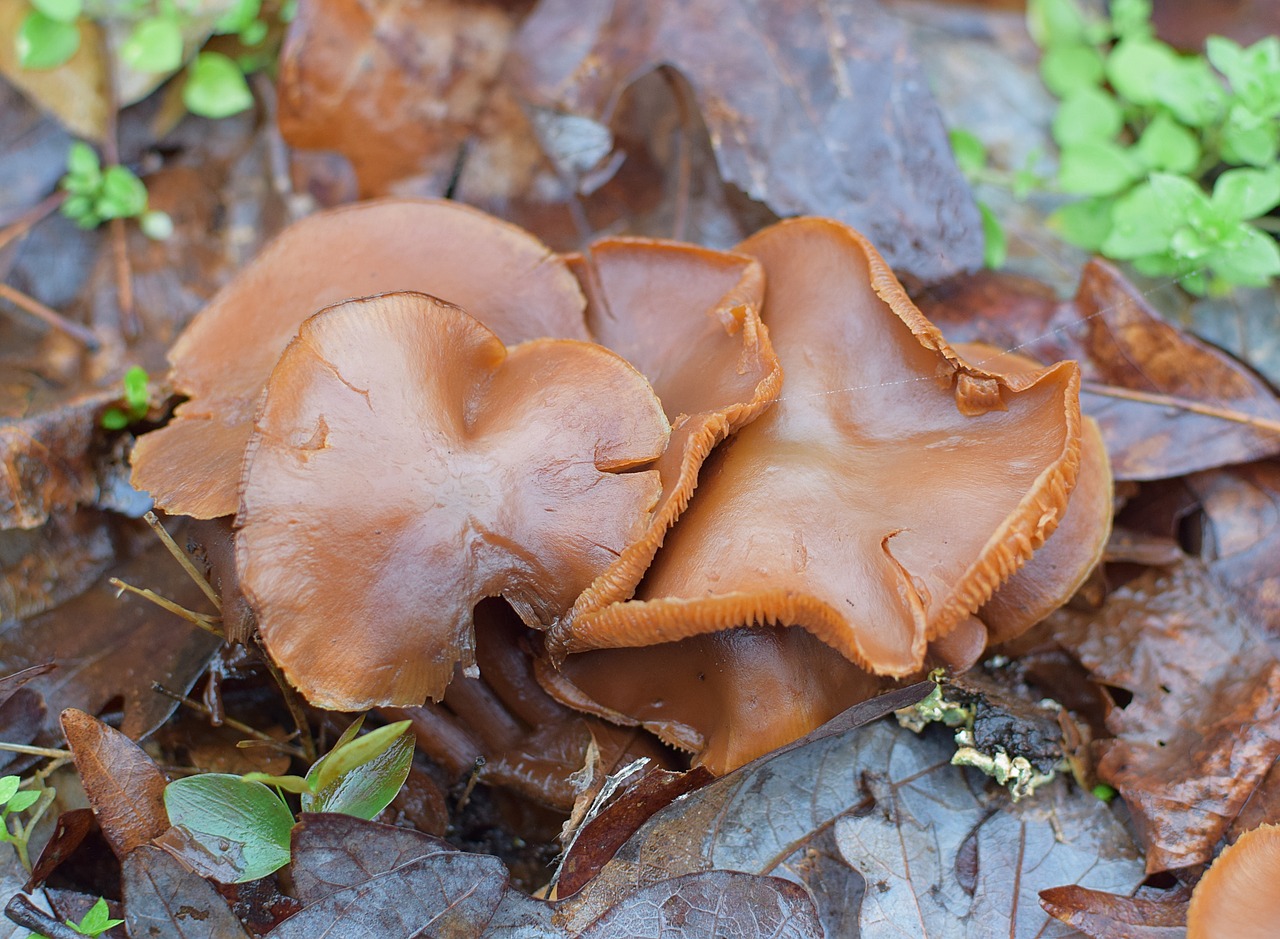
(1203,727)
(1101,915)
(813,76)
(124,786)
(164,900)
(106,646)
(1168,403)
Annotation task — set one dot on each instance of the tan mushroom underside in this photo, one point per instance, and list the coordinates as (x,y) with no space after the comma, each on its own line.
(1239,897)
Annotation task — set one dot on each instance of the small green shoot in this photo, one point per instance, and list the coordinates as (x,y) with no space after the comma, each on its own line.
(242,822)
(15,801)
(136,400)
(95,195)
(216,87)
(971,157)
(1174,159)
(1104,792)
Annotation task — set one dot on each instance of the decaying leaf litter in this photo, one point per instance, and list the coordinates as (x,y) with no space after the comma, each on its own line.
(1164,662)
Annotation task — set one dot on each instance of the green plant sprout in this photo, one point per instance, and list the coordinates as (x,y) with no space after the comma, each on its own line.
(244,821)
(15,801)
(136,397)
(214,84)
(1174,157)
(95,195)
(94,923)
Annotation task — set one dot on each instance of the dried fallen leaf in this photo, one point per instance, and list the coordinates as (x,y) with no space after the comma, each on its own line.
(788,103)
(68,833)
(163,899)
(124,786)
(1168,403)
(1101,915)
(1203,727)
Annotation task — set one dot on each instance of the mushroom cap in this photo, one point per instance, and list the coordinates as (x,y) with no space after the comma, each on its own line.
(1064,562)
(501,274)
(727,696)
(881,500)
(404,466)
(1239,896)
(689,319)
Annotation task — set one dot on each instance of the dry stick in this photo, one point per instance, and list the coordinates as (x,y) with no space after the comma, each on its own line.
(119,235)
(181,557)
(204,621)
(29,916)
(1182,404)
(259,737)
(27,220)
(36,751)
(291,702)
(50,317)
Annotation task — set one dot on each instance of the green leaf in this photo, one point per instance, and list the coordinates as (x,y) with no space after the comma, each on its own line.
(45,43)
(1191,91)
(1167,145)
(294,784)
(1096,168)
(23,800)
(238,18)
(216,87)
(342,760)
(135,388)
(241,822)
(8,788)
(369,788)
(1068,68)
(64,11)
(970,154)
(1055,22)
(1136,66)
(1246,193)
(123,194)
(1131,18)
(1084,224)
(154,45)
(1248,138)
(82,159)
(96,921)
(156,225)
(1254,73)
(1139,225)
(1087,114)
(1249,258)
(114,419)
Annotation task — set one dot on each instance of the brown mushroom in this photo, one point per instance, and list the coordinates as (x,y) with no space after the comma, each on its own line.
(877,505)
(1239,896)
(1061,566)
(404,466)
(499,273)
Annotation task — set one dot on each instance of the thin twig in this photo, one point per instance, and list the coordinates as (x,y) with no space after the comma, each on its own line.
(181,557)
(50,317)
(1181,404)
(27,220)
(259,736)
(293,704)
(204,621)
(36,751)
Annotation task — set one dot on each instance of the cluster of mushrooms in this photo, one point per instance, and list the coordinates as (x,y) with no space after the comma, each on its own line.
(728,494)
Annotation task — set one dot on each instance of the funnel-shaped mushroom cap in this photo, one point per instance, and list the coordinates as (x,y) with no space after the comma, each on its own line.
(689,319)
(886,494)
(497,272)
(1239,897)
(404,466)
(727,697)
(1058,568)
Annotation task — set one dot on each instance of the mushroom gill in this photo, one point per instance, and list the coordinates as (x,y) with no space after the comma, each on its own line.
(504,276)
(405,465)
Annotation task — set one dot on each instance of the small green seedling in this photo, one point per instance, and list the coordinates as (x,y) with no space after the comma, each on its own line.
(94,923)
(14,801)
(1174,159)
(136,396)
(95,195)
(244,821)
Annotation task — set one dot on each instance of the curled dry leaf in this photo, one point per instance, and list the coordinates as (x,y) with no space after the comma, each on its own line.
(536,489)
(812,77)
(124,786)
(1203,728)
(1167,403)
(1102,915)
(806,493)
